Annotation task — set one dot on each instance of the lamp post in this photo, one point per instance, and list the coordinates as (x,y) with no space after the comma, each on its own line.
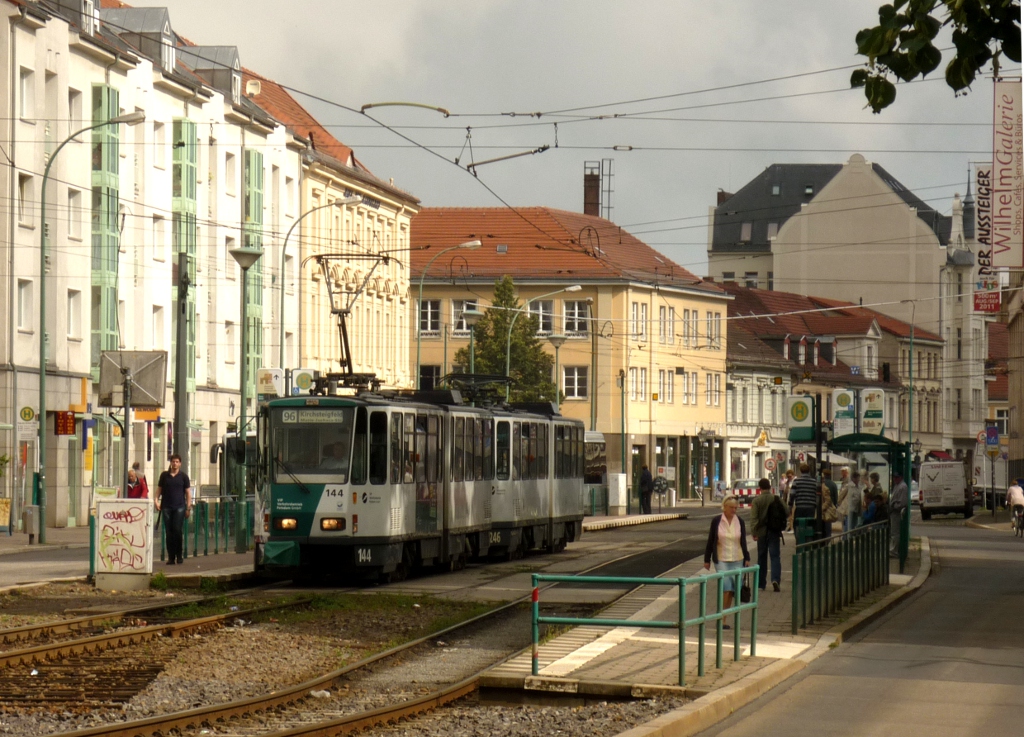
(245,257)
(468,246)
(557,341)
(512,324)
(339,203)
(706,438)
(471,318)
(133,118)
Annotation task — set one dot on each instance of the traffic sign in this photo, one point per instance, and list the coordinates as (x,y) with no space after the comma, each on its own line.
(992,452)
(992,436)
(27,414)
(769,464)
(981,437)
(780,456)
(65,423)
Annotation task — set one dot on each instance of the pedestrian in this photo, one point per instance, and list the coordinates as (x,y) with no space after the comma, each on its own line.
(874,488)
(137,488)
(727,547)
(898,500)
(768,518)
(850,501)
(833,489)
(829,513)
(137,467)
(784,487)
(646,489)
(803,498)
(174,498)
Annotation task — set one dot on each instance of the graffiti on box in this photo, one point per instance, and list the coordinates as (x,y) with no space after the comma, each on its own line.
(124,536)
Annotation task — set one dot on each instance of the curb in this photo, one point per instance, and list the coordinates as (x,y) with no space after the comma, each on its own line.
(709,710)
(979,526)
(36,547)
(630,521)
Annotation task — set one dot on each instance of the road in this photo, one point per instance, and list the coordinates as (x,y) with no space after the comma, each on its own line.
(43,564)
(943,663)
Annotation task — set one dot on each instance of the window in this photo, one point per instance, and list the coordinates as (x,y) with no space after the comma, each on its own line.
(693,388)
(25,200)
(707,389)
(575,382)
(642,389)
(543,310)
(773,230)
(978,354)
(430,317)
(639,319)
(74,110)
(959,404)
(157,328)
(576,314)
(776,190)
(670,386)
(708,336)
(1002,420)
(459,307)
(26,318)
(230,265)
(74,314)
(167,55)
(672,325)
(661,386)
(771,280)
(808,189)
(160,240)
(718,330)
(632,383)
(959,287)
(959,344)
(430,376)
(750,279)
(662,324)
(27,101)
(686,328)
(745,230)
(744,396)
(728,276)
(976,408)
(718,390)
(230,175)
(686,388)
(230,341)
(75,214)
(159,145)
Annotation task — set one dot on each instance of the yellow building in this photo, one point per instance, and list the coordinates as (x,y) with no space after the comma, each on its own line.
(643,360)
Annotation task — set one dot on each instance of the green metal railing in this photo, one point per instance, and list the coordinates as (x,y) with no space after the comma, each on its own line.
(832,573)
(598,500)
(212,521)
(680,624)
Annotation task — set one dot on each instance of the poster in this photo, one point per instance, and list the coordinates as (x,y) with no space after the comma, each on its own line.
(986,289)
(872,411)
(124,536)
(1007,175)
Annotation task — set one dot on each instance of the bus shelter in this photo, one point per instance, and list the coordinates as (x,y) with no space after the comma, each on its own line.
(899,456)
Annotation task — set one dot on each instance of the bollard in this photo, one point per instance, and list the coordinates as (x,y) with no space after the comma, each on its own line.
(92,547)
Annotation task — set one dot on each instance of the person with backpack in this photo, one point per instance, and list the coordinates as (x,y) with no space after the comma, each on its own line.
(768,519)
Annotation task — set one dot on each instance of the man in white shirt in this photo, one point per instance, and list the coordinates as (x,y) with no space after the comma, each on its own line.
(1015,499)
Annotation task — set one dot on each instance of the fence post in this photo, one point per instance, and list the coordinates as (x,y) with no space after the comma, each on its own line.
(92,547)
(682,631)
(702,628)
(720,596)
(536,624)
(737,589)
(796,589)
(753,613)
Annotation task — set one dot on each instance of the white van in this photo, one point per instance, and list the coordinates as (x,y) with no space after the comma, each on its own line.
(944,489)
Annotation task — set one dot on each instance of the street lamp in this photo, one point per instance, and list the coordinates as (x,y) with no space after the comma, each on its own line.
(471,318)
(132,118)
(245,257)
(512,324)
(468,246)
(706,438)
(557,341)
(339,203)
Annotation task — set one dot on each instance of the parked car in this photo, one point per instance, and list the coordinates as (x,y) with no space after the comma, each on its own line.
(745,490)
(915,493)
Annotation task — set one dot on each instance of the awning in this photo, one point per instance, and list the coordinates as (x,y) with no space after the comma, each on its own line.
(941,455)
(592,436)
(834,459)
(874,459)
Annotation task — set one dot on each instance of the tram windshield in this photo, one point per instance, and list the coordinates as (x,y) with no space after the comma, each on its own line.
(311,442)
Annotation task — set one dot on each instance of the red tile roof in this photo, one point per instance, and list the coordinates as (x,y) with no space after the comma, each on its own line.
(885,322)
(998,341)
(541,243)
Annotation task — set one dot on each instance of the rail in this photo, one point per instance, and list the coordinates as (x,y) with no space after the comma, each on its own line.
(831,574)
(680,624)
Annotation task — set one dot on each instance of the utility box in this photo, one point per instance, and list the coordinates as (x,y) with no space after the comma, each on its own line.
(618,494)
(30,520)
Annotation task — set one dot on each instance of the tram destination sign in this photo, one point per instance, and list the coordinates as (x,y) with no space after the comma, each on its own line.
(314,416)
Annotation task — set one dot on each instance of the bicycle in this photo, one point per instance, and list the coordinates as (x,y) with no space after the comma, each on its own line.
(1017,517)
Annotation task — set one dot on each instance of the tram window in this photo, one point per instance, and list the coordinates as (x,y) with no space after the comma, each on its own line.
(542,451)
(433,446)
(503,447)
(359,448)
(458,442)
(396,448)
(478,450)
(517,463)
(410,448)
(559,446)
(488,449)
(530,441)
(421,448)
(565,454)
(378,448)
(468,447)
(579,453)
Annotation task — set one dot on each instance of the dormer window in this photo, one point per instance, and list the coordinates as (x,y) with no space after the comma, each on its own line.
(236,87)
(802,355)
(167,56)
(89,17)
(785,348)
(835,350)
(817,351)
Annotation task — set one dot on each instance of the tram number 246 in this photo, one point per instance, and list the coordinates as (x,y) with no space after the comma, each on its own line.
(364,555)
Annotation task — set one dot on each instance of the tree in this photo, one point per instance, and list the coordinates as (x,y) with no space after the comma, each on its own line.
(902,44)
(531,366)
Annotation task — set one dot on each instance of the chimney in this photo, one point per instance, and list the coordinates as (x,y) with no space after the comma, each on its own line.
(723,196)
(592,188)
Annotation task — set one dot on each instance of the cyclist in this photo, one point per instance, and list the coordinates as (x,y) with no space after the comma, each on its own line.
(1015,501)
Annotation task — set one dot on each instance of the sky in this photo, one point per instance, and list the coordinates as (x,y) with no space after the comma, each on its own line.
(716,124)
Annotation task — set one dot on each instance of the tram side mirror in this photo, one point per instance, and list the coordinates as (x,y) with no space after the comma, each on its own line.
(234,448)
(215,451)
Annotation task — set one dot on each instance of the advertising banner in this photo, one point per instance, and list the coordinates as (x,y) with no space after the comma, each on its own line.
(872,411)
(844,412)
(1007,175)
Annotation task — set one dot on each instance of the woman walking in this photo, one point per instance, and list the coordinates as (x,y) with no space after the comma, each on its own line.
(727,547)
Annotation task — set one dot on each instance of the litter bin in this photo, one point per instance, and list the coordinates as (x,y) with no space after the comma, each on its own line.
(30,521)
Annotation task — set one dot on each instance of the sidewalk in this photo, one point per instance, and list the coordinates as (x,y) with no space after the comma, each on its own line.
(984,520)
(627,661)
(591,524)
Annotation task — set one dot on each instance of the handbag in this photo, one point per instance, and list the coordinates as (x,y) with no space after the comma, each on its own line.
(745,593)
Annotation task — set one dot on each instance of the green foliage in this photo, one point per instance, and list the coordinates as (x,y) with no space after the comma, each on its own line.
(4,461)
(902,45)
(530,365)
(159,581)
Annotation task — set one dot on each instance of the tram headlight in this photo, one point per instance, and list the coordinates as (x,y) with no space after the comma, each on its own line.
(333,524)
(285,523)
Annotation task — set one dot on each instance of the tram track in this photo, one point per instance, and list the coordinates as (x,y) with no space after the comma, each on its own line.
(353,697)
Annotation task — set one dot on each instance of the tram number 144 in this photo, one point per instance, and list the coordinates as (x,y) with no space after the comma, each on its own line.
(364,555)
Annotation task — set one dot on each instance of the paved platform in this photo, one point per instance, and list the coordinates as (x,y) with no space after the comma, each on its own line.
(635,661)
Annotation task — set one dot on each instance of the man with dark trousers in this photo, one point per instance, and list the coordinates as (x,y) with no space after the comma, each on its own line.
(174,497)
(646,489)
